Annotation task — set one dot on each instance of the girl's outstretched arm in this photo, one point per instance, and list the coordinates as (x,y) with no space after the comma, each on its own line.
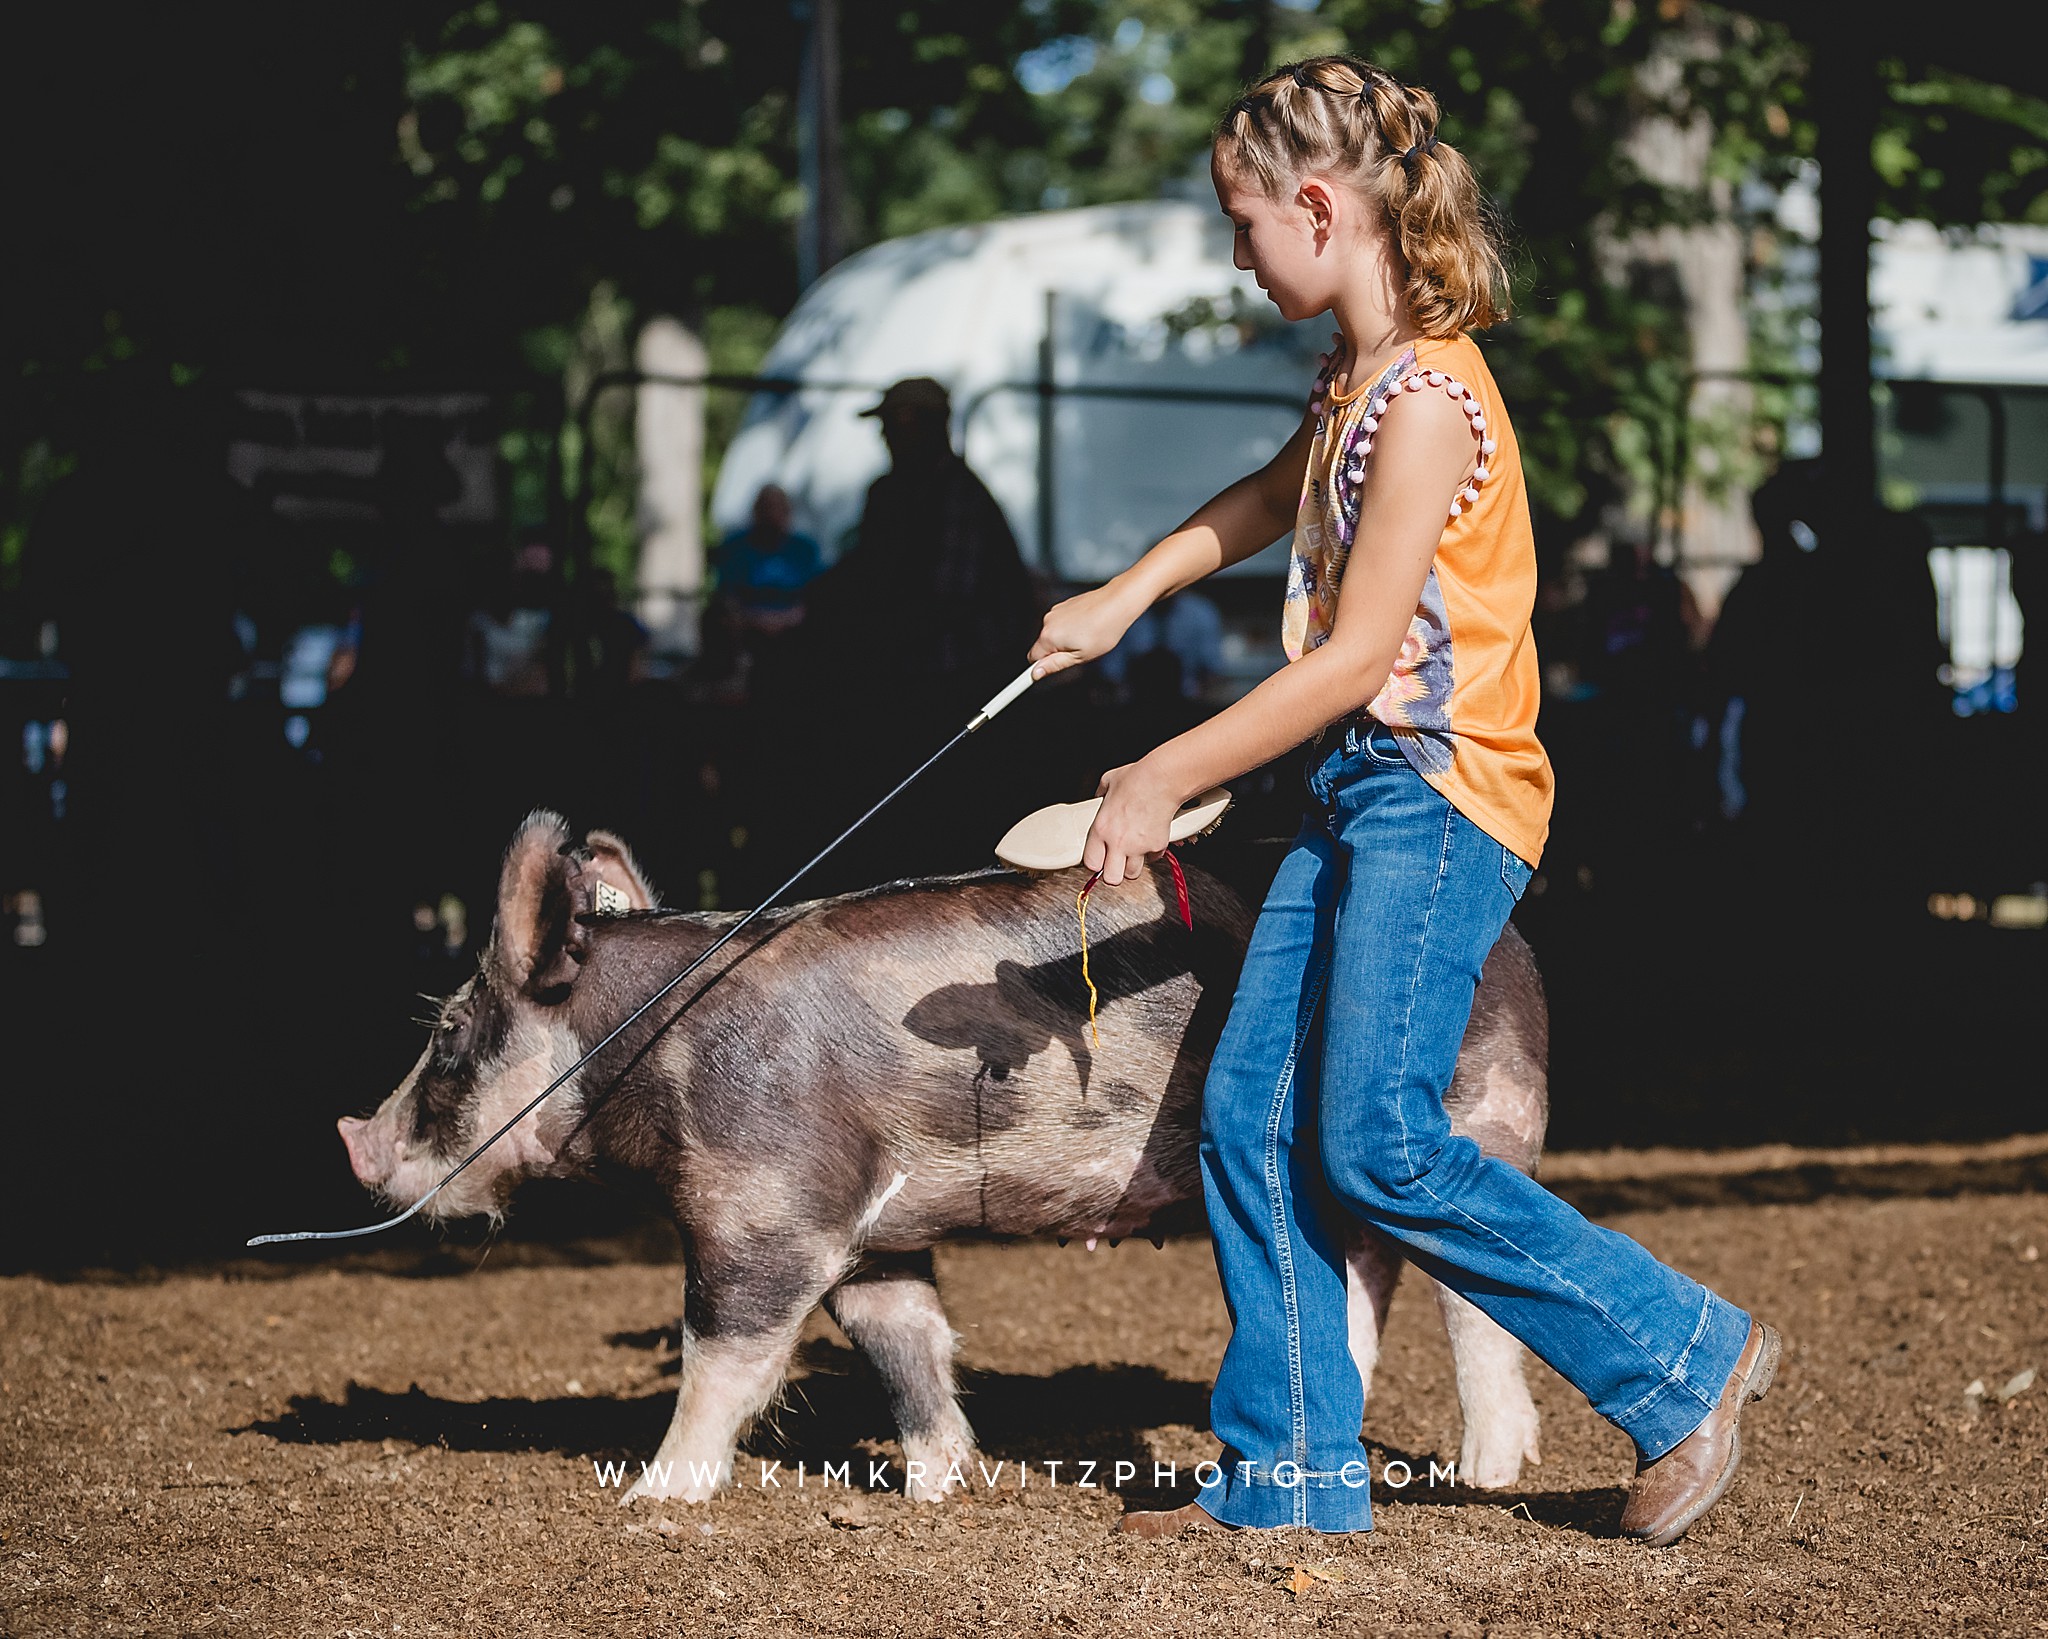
(1421,455)
(1246,518)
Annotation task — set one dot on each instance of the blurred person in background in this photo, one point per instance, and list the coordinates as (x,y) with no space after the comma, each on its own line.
(1640,674)
(757,601)
(1765,662)
(505,647)
(763,569)
(934,564)
(614,641)
(1183,636)
(921,619)
(1887,662)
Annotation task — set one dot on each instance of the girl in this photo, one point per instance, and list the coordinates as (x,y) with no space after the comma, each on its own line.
(1406,622)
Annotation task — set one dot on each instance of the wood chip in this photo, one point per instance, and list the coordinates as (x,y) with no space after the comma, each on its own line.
(1302,1578)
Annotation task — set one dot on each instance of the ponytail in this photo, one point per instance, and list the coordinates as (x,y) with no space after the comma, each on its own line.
(1347,119)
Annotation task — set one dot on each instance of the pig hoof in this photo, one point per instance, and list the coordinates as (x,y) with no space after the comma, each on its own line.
(1493,1460)
(937,1468)
(646,1486)
(1490,1476)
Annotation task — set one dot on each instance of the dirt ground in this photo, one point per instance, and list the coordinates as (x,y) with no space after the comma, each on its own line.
(349,1448)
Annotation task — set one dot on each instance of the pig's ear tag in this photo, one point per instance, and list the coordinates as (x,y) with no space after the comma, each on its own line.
(611,901)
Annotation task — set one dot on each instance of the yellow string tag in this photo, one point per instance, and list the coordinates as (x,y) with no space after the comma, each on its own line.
(1183,906)
(1081,910)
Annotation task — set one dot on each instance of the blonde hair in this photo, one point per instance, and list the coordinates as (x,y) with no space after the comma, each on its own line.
(1350,120)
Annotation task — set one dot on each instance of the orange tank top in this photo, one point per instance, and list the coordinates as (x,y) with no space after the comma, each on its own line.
(1463,694)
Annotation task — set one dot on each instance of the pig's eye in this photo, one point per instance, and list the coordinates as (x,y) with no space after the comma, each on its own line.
(449,1039)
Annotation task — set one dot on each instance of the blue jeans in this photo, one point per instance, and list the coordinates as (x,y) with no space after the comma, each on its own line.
(1326,1097)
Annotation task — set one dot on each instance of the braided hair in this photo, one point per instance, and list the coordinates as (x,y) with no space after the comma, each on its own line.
(1353,121)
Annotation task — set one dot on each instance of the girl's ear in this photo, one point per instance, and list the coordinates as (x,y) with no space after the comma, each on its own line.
(1318,199)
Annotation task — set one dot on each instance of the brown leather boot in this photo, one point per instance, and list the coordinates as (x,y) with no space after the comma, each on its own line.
(1669,1495)
(1170,1522)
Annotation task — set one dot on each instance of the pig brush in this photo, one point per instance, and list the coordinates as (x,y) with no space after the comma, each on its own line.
(1023,681)
(1053,838)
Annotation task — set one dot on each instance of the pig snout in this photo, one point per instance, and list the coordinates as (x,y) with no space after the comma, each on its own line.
(369,1150)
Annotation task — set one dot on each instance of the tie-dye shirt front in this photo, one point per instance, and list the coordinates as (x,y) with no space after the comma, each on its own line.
(1463,691)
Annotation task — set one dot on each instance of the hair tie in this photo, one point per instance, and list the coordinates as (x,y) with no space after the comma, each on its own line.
(1408,155)
(1300,75)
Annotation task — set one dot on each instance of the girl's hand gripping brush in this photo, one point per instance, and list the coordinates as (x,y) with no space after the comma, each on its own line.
(1053,839)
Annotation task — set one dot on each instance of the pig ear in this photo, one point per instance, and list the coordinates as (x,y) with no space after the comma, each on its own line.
(618,883)
(536,915)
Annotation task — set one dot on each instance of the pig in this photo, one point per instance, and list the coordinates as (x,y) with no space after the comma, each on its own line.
(855,1079)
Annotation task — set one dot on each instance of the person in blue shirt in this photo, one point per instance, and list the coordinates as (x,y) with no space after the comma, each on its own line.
(763,569)
(757,602)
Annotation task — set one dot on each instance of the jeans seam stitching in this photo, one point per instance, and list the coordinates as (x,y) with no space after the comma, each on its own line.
(1669,1379)
(1677,1371)
(1408,1158)
(1414,984)
(1698,1332)
(1399,758)
(1276,1198)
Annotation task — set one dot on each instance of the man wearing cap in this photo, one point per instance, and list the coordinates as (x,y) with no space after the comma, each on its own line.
(933,588)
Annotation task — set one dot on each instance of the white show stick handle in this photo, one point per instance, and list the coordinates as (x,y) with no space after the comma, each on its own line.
(1023,681)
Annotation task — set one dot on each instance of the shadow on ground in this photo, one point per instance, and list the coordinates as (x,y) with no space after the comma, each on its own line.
(834,1412)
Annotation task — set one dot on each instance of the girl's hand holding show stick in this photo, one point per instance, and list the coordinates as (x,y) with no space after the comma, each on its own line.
(1139,800)
(1137,807)
(1085,627)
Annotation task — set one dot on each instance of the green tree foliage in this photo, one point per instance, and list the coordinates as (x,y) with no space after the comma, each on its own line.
(1958,152)
(656,153)
(493,192)
(1541,98)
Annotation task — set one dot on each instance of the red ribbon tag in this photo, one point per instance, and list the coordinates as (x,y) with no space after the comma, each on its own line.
(1180,891)
(1180,888)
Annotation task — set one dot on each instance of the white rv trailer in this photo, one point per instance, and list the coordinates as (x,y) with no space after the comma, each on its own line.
(1096,304)
(1037,323)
